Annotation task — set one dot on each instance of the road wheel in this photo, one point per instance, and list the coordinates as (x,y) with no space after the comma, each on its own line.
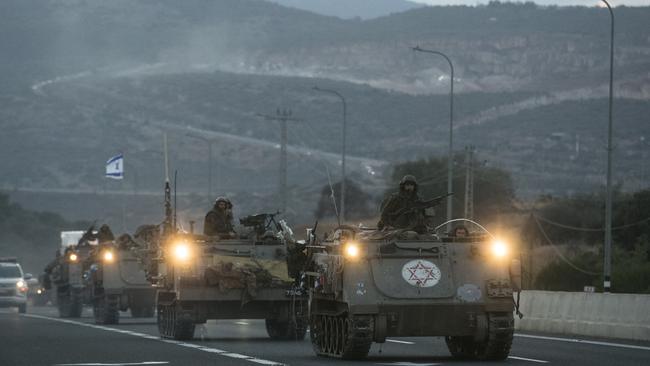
(175,324)
(462,348)
(341,336)
(22,308)
(496,345)
(105,310)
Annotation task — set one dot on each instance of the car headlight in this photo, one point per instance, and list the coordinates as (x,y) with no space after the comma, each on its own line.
(108,256)
(73,257)
(499,248)
(182,251)
(22,286)
(352,250)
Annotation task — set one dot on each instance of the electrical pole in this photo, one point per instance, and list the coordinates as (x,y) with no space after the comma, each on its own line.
(283,116)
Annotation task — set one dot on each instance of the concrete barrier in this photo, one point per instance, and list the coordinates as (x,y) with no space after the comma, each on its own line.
(625,316)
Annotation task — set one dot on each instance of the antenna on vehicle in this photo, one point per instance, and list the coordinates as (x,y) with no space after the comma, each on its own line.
(175,196)
(167,224)
(329,181)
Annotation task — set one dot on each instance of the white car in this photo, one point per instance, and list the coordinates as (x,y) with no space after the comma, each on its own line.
(13,285)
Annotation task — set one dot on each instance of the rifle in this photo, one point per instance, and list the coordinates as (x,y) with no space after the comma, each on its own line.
(421,205)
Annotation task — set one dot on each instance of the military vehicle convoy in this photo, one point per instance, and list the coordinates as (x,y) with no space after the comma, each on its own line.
(366,285)
(202,277)
(91,270)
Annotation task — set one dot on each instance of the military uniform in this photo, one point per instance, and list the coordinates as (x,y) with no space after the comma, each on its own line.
(395,210)
(219,221)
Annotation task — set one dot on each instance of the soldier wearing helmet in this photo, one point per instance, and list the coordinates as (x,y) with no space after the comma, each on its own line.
(391,218)
(219,221)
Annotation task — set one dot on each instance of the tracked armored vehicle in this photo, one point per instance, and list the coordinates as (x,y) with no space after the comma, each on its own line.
(65,274)
(366,285)
(202,277)
(116,282)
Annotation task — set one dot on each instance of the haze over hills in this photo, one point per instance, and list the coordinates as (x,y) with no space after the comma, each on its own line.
(364,9)
(85,79)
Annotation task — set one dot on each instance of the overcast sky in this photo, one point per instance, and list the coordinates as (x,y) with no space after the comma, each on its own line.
(541,2)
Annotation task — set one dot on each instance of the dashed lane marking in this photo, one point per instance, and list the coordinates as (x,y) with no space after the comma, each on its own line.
(114,364)
(571,340)
(242,323)
(400,342)
(148,336)
(527,359)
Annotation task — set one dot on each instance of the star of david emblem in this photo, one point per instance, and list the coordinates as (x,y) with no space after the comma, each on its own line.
(421,273)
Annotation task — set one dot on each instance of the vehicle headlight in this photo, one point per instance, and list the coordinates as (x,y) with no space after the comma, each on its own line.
(39,291)
(73,257)
(352,250)
(22,286)
(499,248)
(182,251)
(108,256)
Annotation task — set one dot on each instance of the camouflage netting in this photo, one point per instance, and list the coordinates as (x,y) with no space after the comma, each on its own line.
(248,274)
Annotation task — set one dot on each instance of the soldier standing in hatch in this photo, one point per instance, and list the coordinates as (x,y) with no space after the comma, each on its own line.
(396,210)
(218,222)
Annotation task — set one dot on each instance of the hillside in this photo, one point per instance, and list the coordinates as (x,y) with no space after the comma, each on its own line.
(83,80)
(364,9)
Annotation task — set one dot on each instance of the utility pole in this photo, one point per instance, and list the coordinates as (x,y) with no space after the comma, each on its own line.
(469,182)
(283,116)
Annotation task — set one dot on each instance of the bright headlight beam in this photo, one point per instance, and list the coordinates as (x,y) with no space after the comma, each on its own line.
(21,284)
(499,249)
(182,251)
(108,256)
(73,257)
(351,250)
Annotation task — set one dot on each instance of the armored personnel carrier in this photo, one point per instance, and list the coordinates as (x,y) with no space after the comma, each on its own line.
(202,277)
(65,273)
(116,282)
(366,285)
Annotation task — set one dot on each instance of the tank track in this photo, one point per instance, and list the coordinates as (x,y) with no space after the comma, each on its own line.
(496,345)
(105,310)
(174,324)
(342,336)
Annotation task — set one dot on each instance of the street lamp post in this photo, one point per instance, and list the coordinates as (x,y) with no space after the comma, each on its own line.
(450,158)
(342,208)
(608,200)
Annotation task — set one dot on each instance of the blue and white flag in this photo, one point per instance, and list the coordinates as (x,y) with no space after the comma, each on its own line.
(115,167)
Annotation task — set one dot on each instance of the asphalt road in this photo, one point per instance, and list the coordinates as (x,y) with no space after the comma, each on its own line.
(41,338)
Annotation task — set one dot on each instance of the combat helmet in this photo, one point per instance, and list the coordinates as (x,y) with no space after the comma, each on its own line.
(408,179)
(223,199)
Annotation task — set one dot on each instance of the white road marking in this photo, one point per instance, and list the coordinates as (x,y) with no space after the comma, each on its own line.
(114,364)
(401,342)
(409,364)
(242,323)
(527,359)
(572,340)
(147,336)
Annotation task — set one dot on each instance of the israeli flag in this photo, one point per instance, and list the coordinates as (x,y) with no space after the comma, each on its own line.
(115,167)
